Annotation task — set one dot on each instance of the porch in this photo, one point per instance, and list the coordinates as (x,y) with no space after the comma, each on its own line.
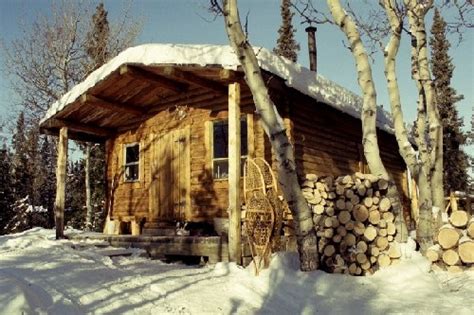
(212,248)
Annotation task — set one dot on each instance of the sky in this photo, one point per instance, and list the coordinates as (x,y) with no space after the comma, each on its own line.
(187,21)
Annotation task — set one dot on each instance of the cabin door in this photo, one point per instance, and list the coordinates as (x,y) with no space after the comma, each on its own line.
(170,176)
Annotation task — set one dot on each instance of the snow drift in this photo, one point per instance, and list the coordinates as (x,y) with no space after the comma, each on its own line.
(41,275)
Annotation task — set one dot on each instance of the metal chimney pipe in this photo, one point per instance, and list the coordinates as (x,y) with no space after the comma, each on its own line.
(313,54)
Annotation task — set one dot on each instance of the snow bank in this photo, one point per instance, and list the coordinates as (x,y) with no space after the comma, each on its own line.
(295,75)
(41,275)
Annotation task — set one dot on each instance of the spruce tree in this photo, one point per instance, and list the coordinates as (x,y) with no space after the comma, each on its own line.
(34,164)
(74,213)
(286,43)
(455,159)
(6,188)
(22,179)
(46,171)
(94,168)
(98,37)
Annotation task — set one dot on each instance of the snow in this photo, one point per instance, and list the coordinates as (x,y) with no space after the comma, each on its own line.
(295,75)
(44,276)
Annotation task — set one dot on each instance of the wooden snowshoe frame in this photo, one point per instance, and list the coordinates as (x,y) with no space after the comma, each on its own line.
(263,216)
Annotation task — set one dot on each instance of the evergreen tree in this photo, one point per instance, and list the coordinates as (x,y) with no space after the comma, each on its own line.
(98,52)
(98,37)
(46,171)
(98,184)
(286,43)
(34,164)
(6,188)
(22,179)
(75,215)
(455,159)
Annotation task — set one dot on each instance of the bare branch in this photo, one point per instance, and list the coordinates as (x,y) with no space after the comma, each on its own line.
(310,14)
(51,55)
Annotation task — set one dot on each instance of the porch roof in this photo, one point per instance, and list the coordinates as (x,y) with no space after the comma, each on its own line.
(136,83)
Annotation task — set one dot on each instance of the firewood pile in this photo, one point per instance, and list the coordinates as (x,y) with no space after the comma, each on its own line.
(454,248)
(354,222)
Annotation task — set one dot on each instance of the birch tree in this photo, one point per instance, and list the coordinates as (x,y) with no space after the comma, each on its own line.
(427,167)
(369,109)
(419,167)
(275,130)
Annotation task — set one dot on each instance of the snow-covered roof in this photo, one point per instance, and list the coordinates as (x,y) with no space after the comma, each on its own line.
(294,75)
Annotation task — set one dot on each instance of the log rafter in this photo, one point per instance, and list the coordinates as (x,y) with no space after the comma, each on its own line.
(194,79)
(80,127)
(145,75)
(115,106)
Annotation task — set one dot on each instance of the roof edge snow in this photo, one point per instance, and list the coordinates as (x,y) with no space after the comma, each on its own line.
(294,75)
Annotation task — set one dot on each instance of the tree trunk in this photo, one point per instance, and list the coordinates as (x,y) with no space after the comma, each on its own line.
(424,233)
(369,109)
(390,53)
(432,154)
(87,170)
(61,170)
(235,254)
(275,130)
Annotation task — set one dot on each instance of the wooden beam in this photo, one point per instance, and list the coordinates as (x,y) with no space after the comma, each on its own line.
(230,75)
(78,127)
(61,170)
(194,79)
(234,174)
(113,106)
(145,75)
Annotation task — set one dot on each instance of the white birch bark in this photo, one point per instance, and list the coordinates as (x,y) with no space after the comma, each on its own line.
(275,130)
(416,13)
(431,154)
(406,149)
(369,109)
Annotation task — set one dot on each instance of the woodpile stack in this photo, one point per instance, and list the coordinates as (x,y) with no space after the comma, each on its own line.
(454,248)
(354,222)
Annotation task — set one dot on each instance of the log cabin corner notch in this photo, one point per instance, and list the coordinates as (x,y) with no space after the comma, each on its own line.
(169,116)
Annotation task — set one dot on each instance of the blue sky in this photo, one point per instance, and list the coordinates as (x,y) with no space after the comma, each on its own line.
(184,21)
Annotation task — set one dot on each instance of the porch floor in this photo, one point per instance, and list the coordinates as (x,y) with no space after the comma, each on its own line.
(215,248)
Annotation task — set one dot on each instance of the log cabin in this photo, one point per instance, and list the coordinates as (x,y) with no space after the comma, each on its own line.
(166,113)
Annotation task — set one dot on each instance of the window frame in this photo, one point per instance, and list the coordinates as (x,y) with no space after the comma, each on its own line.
(242,157)
(137,163)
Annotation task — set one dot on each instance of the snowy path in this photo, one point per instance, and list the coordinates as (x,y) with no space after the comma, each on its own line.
(40,275)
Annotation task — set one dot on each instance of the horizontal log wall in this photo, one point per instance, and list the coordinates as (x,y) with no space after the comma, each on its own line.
(209,197)
(328,142)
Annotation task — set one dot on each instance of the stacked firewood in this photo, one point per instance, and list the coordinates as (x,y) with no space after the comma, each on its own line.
(454,248)
(354,222)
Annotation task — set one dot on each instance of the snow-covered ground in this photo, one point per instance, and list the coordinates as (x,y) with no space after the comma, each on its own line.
(44,276)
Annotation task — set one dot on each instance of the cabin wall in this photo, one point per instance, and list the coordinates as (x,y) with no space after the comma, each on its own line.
(329,142)
(208,196)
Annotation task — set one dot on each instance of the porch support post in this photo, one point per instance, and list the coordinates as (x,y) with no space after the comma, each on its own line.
(61,166)
(234,173)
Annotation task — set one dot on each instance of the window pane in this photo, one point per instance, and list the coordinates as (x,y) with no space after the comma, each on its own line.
(221,137)
(131,172)
(221,169)
(132,154)
(243,137)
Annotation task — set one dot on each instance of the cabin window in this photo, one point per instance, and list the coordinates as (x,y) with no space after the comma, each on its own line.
(220,161)
(132,162)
